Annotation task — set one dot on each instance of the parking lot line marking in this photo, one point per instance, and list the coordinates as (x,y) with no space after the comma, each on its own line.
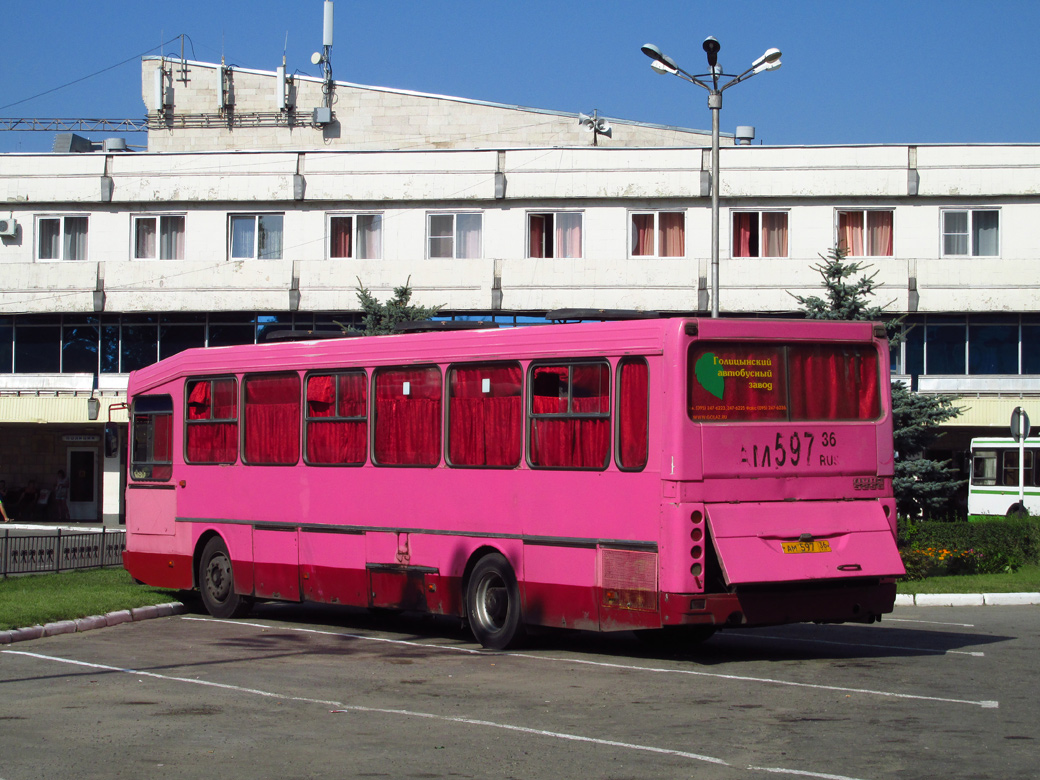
(929,622)
(340,707)
(607,665)
(972,653)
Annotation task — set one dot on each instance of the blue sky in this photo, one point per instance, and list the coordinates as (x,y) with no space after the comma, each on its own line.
(915,71)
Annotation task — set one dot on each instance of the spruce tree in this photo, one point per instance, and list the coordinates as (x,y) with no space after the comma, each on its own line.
(923,487)
(382,318)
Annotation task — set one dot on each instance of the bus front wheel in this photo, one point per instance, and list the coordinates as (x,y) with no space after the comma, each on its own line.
(493,603)
(217,583)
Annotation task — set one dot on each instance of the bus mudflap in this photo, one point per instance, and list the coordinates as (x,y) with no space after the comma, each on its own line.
(795,541)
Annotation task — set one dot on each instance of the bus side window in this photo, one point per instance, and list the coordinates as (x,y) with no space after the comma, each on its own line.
(211,427)
(984,468)
(570,416)
(407,415)
(632,414)
(151,455)
(485,417)
(1011,468)
(337,419)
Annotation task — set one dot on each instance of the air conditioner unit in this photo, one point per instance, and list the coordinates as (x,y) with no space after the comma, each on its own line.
(8,227)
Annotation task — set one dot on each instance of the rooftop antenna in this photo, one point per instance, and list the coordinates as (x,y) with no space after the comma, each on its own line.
(324,57)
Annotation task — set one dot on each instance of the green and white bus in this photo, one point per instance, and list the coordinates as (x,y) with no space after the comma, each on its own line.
(993,489)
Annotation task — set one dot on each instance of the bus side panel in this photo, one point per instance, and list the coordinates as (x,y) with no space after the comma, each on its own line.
(276,562)
(159,561)
(332,568)
(558,586)
(151,508)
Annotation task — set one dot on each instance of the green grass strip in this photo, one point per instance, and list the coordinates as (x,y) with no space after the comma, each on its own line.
(1025,580)
(45,598)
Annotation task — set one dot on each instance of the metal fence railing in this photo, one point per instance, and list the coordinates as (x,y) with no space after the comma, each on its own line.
(60,551)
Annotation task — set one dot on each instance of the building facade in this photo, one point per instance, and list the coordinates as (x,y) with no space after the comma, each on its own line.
(222,232)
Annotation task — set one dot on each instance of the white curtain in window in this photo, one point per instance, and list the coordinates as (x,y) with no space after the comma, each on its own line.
(442,228)
(467,235)
(50,239)
(774,231)
(269,246)
(985,238)
(144,245)
(171,238)
(370,236)
(568,235)
(243,237)
(75,238)
(955,232)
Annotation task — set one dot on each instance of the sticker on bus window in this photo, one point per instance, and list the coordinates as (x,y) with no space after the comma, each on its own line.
(736,382)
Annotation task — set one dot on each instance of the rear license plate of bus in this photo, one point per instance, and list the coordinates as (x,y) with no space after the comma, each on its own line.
(818,546)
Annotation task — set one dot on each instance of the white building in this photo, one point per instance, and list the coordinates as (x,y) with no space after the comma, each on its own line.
(112,260)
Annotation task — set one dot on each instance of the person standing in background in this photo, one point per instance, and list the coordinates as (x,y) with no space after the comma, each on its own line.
(61,495)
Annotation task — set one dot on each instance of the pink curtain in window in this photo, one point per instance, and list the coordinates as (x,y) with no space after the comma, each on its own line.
(642,235)
(850,232)
(408,426)
(879,229)
(774,231)
(745,234)
(485,427)
(536,237)
(339,244)
(272,419)
(633,393)
(568,235)
(672,241)
(834,382)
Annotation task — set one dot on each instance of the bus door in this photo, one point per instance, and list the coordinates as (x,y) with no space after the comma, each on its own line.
(276,562)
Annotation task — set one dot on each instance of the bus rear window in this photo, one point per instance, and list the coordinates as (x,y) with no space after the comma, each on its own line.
(151,454)
(731,381)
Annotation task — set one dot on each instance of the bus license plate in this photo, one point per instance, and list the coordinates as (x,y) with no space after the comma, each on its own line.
(818,546)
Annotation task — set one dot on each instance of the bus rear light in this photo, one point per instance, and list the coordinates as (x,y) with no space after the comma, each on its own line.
(696,534)
(888,509)
(696,570)
(698,605)
(696,553)
(696,518)
(182,483)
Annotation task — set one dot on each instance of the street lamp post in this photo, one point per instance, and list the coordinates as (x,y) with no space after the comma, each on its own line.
(662,63)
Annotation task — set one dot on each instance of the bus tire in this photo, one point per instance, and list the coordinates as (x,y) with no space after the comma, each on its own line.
(493,603)
(217,582)
(1017,510)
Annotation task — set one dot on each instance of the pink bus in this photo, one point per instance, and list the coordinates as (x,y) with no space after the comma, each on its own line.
(673,474)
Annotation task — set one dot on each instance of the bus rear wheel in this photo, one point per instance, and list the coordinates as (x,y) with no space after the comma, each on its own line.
(217,582)
(493,603)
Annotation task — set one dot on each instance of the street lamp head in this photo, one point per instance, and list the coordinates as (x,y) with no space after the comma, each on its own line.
(767,66)
(659,58)
(770,55)
(660,67)
(711,47)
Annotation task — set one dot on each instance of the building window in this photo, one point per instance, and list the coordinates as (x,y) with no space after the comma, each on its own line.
(485,419)
(865,233)
(357,236)
(256,236)
(151,448)
(407,417)
(159,238)
(271,405)
(971,232)
(337,418)
(454,235)
(554,234)
(760,234)
(61,238)
(212,421)
(570,416)
(658,234)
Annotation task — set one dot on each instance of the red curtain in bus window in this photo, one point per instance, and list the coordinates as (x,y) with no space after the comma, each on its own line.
(212,442)
(570,441)
(163,441)
(272,419)
(484,416)
(736,382)
(337,441)
(834,382)
(408,417)
(633,397)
